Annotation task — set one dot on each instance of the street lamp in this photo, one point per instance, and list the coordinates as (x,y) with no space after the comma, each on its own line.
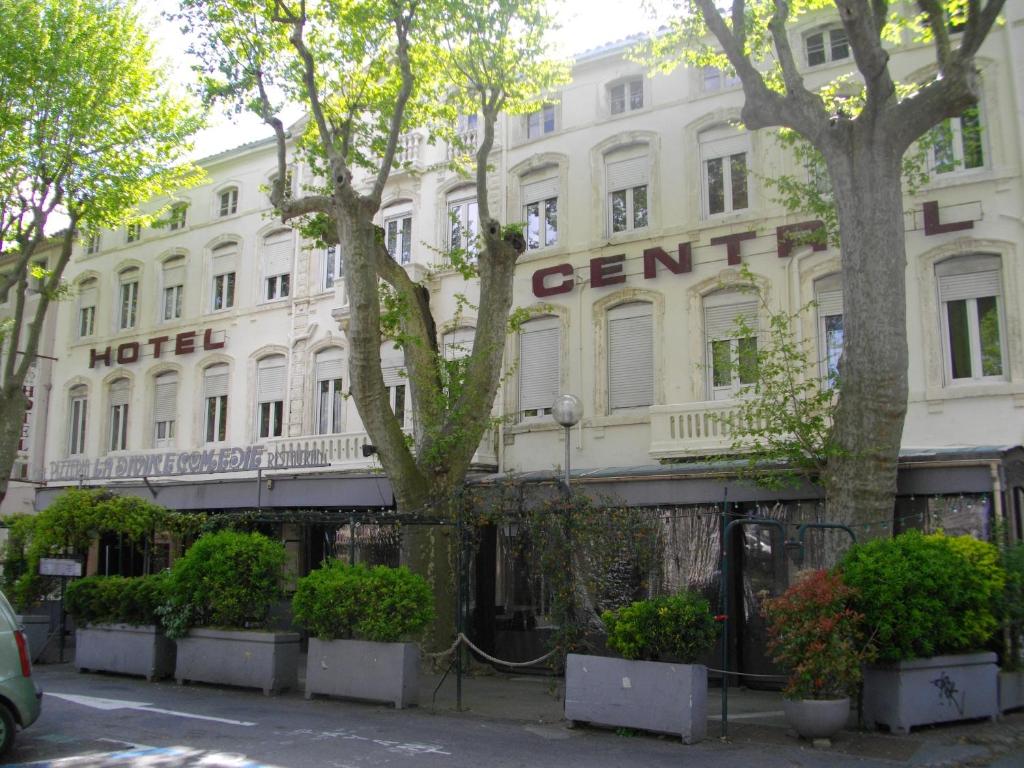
(567,410)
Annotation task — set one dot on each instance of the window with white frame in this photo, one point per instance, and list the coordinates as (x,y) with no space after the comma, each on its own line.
(228,200)
(288,185)
(458,343)
(223,264)
(970,301)
(330,369)
(179,212)
(540,210)
(539,366)
(119,393)
(88,293)
(78,402)
(334,266)
(723,161)
(165,409)
(630,356)
(277,265)
(715,79)
(626,96)
(271,374)
(626,172)
(730,334)
(133,232)
(956,143)
(215,397)
(826,45)
(464,220)
(392,366)
(828,296)
(128,308)
(540,122)
(173,287)
(92,244)
(398,232)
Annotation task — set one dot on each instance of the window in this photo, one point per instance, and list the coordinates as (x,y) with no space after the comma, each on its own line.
(540,210)
(79,405)
(173,282)
(223,266)
(133,232)
(228,201)
(630,356)
(119,392)
(828,295)
(723,156)
(464,218)
(826,45)
(458,343)
(392,366)
(92,245)
(215,395)
(626,96)
(398,232)
(330,365)
(970,298)
(177,217)
(956,143)
(626,172)
(730,333)
(540,122)
(129,307)
(539,366)
(334,266)
(87,294)
(165,410)
(277,265)
(715,79)
(288,185)
(270,385)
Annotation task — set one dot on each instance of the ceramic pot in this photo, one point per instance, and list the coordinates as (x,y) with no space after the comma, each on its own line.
(817,719)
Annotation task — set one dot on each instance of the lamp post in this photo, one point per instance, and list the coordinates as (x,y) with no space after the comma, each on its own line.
(567,410)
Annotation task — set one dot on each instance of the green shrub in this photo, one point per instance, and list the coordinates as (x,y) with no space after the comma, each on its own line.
(925,595)
(678,626)
(1013,606)
(339,601)
(225,579)
(116,600)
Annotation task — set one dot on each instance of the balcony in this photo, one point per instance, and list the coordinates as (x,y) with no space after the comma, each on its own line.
(408,153)
(691,429)
(469,139)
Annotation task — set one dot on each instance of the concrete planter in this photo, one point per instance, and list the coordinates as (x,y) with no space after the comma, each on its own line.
(1011,690)
(128,650)
(817,718)
(249,659)
(357,669)
(37,630)
(936,690)
(649,695)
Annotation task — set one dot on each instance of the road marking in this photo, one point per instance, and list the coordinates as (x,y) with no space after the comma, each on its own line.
(398,747)
(140,706)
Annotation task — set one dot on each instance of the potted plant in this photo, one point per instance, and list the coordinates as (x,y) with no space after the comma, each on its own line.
(655,686)
(360,620)
(1011,672)
(220,594)
(930,605)
(814,633)
(118,629)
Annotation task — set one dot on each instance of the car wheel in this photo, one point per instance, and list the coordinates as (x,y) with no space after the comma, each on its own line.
(6,729)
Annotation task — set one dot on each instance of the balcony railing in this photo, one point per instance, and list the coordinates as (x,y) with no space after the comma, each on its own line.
(692,429)
(408,151)
(469,139)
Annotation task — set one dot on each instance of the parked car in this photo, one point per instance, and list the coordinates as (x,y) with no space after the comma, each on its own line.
(20,697)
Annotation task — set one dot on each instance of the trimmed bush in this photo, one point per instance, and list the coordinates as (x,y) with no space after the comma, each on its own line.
(1013,607)
(339,601)
(678,626)
(116,600)
(923,595)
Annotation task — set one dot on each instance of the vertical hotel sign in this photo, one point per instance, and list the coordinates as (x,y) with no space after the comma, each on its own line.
(27,422)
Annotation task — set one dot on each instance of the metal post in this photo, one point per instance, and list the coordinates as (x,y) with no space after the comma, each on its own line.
(63,625)
(459,620)
(568,435)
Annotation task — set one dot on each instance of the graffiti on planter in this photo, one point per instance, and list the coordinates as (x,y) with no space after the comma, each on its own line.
(948,692)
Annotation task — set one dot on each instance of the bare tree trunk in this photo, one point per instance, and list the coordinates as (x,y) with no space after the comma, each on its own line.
(12,414)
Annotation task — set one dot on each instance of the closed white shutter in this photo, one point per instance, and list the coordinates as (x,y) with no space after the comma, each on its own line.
(270,379)
(829,303)
(720,318)
(722,142)
(630,356)
(215,381)
(539,367)
(225,258)
(330,364)
(626,174)
(540,190)
(87,294)
(458,343)
(119,391)
(166,406)
(974,285)
(277,253)
(174,273)
(392,365)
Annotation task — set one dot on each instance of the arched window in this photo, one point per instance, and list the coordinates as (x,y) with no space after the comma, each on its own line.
(88,293)
(120,391)
(970,302)
(392,366)
(165,409)
(277,265)
(173,280)
(78,406)
(630,356)
(730,334)
(223,264)
(215,397)
(540,208)
(463,219)
(330,369)
(828,295)
(539,366)
(723,162)
(128,310)
(398,231)
(271,375)
(228,201)
(627,179)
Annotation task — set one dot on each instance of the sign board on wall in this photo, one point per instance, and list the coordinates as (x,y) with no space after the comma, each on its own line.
(56,566)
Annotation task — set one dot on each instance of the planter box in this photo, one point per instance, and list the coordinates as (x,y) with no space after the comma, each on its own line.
(357,669)
(249,659)
(126,649)
(649,695)
(1011,690)
(936,690)
(37,630)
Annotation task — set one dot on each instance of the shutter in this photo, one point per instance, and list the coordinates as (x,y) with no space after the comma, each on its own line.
(458,343)
(87,294)
(722,142)
(626,174)
(119,392)
(539,368)
(277,254)
(330,364)
(720,321)
(537,191)
(166,407)
(973,285)
(224,258)
(830,303)
(215,381)
(174,273)
(630,356)
(270,379)
(392,365)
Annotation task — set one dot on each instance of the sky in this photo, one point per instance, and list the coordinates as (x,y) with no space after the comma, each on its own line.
(585,24)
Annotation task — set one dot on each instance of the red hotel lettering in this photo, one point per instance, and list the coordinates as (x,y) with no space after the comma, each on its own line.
(932,225)
(607,270)
(128,353)
(732,245)
(653,256)
(185,342)
(786,241)
(541,290)
(209,343)
(104,356)
(157,343)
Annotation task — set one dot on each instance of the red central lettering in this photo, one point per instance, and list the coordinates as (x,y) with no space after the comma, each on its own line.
(209,343)
(607,270)
(540,290)
(157,343)
(932,225)
(185,342)
(655,256)
(94,356)
(732,245)
(784,236)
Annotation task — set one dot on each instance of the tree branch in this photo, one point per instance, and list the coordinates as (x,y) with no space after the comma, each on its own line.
(859,21)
